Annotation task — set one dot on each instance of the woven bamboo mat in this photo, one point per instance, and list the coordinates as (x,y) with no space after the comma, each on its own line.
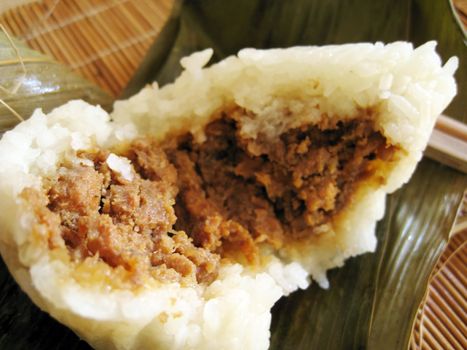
(105,40)
(442,319)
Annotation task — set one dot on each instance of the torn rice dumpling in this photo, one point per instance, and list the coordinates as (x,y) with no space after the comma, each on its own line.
(179,219)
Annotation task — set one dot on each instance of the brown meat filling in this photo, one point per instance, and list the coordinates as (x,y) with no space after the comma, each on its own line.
(190,204)
(128,223)
(235,192)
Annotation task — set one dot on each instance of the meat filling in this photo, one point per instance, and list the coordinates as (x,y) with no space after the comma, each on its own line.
(238,191)
(128,222)
(185,205)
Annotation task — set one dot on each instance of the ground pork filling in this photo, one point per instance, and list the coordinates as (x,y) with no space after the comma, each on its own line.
(176,208)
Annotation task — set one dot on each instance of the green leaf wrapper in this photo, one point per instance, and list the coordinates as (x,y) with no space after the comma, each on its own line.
(43,83)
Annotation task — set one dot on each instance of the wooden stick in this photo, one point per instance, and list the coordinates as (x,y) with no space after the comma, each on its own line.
(448,143)
(452,127)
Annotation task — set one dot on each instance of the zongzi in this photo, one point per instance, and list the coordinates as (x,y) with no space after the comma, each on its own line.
(179,219)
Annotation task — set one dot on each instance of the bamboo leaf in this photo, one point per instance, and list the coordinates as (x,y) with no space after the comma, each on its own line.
(29,79)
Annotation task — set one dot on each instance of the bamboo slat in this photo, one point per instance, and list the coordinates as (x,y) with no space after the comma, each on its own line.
(105,40)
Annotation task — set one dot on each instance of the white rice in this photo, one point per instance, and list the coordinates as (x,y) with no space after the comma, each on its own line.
(409,88)
(120,165)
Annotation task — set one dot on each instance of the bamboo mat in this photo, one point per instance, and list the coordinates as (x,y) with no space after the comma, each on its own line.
(442,320)
(461,7)
(105,40)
